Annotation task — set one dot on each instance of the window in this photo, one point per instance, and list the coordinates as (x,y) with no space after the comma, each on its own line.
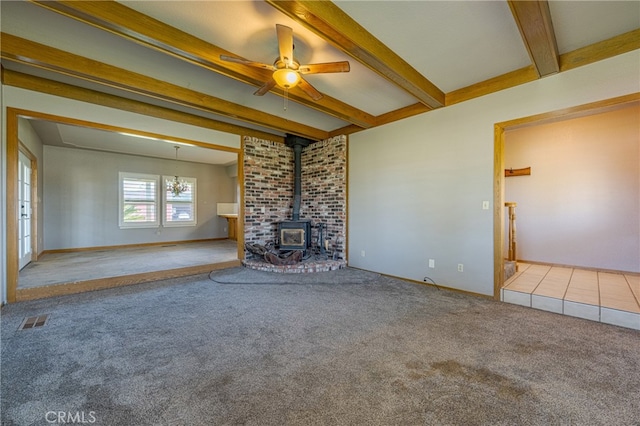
(179,210)
(138,200)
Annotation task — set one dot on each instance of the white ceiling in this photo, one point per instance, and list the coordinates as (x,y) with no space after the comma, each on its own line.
(71,136)
(453,44)
(444,40)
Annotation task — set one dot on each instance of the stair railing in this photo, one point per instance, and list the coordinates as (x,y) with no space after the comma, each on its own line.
(512,230)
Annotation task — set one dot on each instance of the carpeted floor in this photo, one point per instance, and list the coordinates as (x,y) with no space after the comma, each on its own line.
(346,347)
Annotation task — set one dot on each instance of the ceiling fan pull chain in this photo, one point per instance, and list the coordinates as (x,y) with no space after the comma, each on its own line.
(286,98)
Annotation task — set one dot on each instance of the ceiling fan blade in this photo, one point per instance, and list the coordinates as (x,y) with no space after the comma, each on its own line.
(309,89)
(285,43)
(265,88)
(247,62)
(324,67)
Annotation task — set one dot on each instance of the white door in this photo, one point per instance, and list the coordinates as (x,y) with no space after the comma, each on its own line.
(24,210)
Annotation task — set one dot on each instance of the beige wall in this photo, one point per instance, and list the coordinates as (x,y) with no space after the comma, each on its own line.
(417,186)
(581,204)
(81,199)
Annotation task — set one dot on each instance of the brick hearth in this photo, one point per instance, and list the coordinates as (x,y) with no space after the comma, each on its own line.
(306,266)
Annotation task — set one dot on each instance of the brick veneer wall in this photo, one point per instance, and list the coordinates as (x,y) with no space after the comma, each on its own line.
(324,189)
(268,185)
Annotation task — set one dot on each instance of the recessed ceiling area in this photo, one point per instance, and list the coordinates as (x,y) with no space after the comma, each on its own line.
(71,136)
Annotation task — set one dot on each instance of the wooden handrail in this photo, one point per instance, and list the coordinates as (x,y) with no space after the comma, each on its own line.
(512,230)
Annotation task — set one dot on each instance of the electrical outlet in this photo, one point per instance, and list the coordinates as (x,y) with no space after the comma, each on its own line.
(460,267)
(485,205)
(362,253)
(432,263)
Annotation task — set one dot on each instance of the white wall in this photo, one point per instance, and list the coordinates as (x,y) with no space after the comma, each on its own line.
(581,204)
(81,199)
(416,186)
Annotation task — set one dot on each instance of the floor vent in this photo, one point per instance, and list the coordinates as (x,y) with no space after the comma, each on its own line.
(33,322)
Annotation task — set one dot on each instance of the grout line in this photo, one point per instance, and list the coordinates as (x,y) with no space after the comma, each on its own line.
(566,289)
(564,296)
(599,297)
(541,279)
(632,292)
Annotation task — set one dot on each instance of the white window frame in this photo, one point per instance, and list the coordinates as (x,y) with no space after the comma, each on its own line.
(156,201)
(193,182)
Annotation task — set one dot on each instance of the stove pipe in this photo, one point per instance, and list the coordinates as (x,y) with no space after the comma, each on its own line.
(297,143)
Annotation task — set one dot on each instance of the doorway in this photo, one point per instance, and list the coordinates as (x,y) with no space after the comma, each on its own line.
(499,166)
(21,174)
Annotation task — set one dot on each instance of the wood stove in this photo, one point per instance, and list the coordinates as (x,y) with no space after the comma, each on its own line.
(294,235)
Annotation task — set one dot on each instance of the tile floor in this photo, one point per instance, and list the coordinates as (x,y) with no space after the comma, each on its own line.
(612,298)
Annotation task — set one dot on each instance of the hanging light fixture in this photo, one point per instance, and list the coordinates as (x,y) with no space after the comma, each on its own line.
(177,186)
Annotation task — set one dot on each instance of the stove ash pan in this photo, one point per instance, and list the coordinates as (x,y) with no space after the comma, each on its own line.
(294,235)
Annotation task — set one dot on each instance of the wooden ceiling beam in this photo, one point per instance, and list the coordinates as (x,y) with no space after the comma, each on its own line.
(347,130)
(125,22)
(617,45)
(534,22)
(595,52)
(34,54)
(332,24)
(56,88)
(399,114)
(495,84)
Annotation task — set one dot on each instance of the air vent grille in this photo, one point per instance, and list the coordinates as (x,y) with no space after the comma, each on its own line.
(33,322)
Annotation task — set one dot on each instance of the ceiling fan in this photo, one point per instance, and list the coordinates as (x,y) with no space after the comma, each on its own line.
(287,72)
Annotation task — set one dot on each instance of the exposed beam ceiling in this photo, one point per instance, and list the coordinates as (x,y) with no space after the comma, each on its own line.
(331,23)
(66,69)
(534,22)
(602,50)
(29,82)
(51,59)
(126,22)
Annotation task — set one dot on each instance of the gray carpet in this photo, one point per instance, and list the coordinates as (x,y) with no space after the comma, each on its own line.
(341,348)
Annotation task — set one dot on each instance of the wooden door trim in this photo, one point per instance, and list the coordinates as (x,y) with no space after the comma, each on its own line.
(11,238)
(13,147)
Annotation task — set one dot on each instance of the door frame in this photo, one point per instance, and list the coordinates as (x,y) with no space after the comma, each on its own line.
(498,166)
(12,149)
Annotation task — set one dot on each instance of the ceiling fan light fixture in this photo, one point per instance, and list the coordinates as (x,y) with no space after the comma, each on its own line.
(287,71)
(286,78)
